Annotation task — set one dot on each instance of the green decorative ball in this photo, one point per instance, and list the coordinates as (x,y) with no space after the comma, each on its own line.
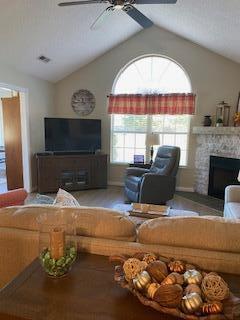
(59,267)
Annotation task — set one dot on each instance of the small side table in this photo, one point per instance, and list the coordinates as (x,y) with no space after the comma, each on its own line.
(140,165)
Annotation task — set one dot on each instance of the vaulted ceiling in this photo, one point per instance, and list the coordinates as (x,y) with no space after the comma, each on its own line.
(29,28)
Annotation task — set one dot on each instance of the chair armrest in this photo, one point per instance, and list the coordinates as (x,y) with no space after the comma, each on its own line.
(157,188)
(134,171)
(13,198)
(232,194)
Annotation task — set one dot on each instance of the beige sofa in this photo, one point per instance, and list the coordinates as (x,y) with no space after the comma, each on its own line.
(212,243)
(232,202)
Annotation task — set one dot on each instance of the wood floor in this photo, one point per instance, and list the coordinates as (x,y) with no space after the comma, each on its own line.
(113,195)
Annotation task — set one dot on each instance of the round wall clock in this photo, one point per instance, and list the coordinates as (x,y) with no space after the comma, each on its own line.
(83,102)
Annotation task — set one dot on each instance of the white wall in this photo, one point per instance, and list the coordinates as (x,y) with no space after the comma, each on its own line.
(214,78)
(40,104)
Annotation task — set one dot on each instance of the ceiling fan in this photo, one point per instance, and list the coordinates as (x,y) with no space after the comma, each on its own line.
(126,5)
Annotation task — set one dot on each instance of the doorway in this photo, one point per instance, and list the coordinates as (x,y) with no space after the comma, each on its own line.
(14,141)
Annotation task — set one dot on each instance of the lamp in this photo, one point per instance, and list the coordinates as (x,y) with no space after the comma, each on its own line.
(152,140)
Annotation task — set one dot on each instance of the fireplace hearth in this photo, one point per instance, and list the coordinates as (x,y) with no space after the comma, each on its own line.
(222,172)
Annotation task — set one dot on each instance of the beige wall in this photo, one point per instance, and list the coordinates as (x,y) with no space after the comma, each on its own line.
(213,79)
(40,103)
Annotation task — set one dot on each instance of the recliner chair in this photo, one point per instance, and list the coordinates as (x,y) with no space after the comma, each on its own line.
(157,184)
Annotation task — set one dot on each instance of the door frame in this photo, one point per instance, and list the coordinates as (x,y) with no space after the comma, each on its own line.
(25,133)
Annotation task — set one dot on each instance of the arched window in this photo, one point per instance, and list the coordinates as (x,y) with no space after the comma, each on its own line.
(148,75)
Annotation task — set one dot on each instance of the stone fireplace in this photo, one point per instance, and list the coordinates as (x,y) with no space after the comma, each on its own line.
(223,142)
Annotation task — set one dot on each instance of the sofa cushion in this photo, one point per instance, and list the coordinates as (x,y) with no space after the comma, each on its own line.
(90,222)
(210,233)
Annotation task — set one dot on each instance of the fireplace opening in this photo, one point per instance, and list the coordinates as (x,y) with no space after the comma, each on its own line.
(222,173)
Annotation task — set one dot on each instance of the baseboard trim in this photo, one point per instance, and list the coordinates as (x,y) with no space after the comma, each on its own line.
(185,189)
(116,183)
(121,184)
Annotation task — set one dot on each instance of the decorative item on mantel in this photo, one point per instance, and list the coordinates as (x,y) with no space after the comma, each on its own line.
(236,117)
(207,121)
(189,293)
(222,113)
(57,245)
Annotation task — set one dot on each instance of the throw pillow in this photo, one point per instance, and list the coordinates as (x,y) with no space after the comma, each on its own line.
(65,199)
(42,199)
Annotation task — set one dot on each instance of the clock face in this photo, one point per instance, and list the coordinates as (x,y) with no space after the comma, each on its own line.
(83,102)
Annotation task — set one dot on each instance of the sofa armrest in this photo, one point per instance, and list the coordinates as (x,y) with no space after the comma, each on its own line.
(151,183)
(13,198)
(232,194)
(134,171)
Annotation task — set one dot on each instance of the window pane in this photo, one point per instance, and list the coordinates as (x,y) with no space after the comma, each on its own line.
(128,155)
(118,140)
(157,123)
(118,122)
(183,159)
(153,74)
(117,155)
(169,124)
(181,141)
(182,123)
(140,140)
(129,140)
(168,139)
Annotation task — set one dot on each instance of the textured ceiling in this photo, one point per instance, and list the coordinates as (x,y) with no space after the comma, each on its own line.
(29,28)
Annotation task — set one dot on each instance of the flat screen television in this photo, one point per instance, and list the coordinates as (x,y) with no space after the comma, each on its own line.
(72,135)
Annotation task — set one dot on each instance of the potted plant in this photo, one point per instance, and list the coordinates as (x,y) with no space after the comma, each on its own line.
(219,122)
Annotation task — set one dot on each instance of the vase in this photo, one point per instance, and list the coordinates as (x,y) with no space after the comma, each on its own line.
(57,244)
(207,121)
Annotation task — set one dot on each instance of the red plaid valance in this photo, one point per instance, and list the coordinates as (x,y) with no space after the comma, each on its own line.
(174,103)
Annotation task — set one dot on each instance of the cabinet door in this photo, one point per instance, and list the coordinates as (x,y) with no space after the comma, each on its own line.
(99,171)
(47,174)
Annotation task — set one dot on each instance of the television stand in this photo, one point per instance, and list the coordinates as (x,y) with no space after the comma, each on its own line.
(71,172)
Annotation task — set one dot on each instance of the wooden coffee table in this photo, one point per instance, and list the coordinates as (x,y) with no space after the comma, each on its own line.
(88,292)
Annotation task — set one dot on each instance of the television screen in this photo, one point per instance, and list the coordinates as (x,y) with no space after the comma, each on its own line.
(72,135)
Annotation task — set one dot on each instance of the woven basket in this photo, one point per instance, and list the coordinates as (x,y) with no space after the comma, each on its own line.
(231,306)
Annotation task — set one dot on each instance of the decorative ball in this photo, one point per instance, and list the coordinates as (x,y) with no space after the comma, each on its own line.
(141,281)
(214,287)
(192,277)
(132,267)
(191,303)
(139,255)
(149,257)
(152,288)
(169,295)
(191,288)
(173,278)
(212,308)
(157,270)
(176,266)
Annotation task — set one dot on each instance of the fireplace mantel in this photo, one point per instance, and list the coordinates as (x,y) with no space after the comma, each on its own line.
(217,130)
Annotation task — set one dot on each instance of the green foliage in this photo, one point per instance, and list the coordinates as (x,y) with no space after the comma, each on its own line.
(58,268)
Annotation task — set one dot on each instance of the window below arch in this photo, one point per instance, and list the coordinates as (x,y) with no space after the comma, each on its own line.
(149,75)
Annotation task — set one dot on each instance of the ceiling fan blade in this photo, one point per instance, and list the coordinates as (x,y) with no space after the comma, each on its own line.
(76,3)
(155,1)
(136,15)
(102,17)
